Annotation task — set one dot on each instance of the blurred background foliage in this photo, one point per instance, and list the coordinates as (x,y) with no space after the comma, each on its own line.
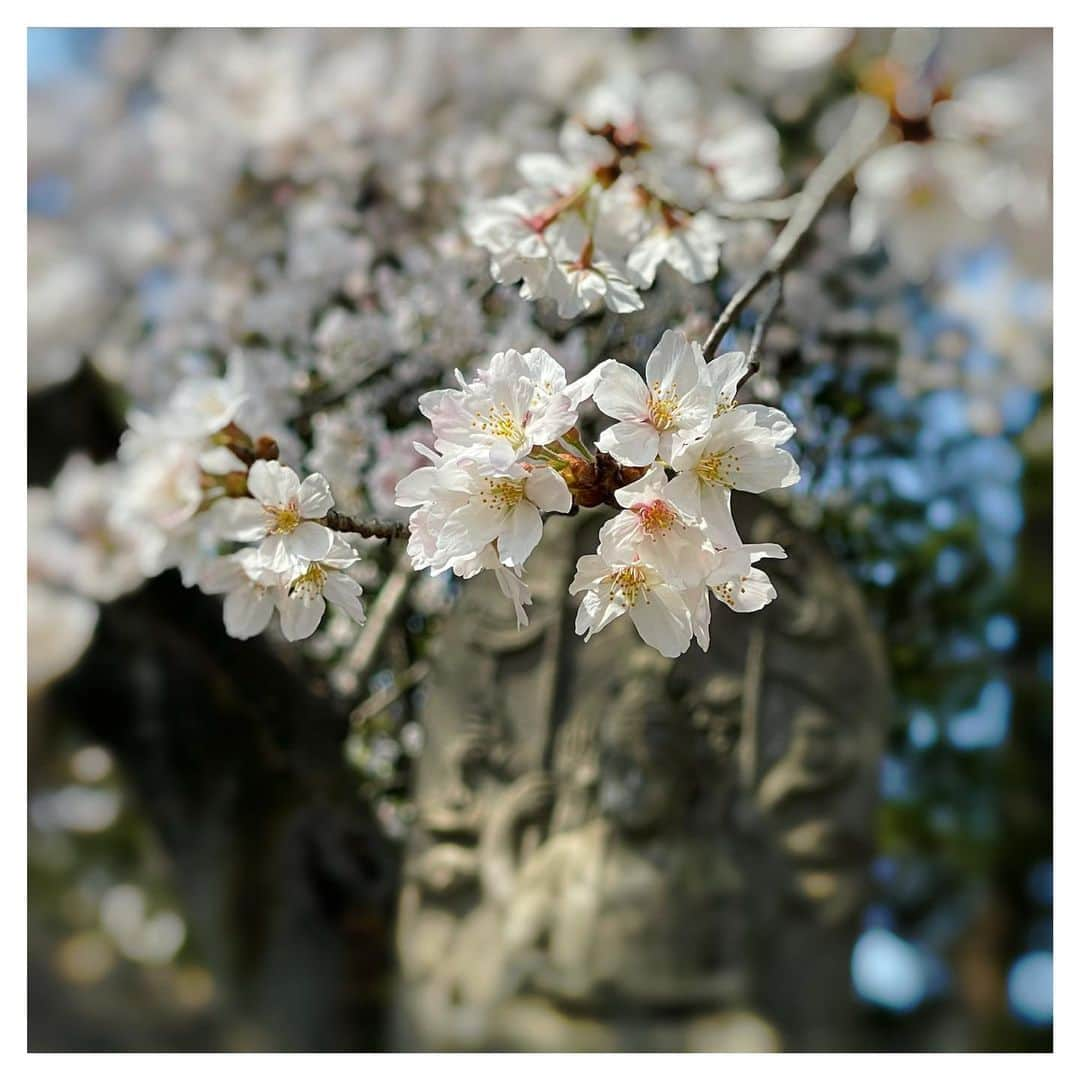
(165,787)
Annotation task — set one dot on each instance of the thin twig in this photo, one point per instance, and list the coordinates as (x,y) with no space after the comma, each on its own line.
(857,140)
(762,210)
(753,360)
(383,699)
(380,619)
(370,530)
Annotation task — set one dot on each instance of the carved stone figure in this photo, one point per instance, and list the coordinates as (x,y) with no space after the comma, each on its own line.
(616,851)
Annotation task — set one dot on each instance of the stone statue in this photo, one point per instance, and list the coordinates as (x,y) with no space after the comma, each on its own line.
(615,851)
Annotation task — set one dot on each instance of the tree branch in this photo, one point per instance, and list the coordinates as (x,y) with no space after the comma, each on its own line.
(370,530)
(762,210)
(380,619)
(857,140)
(753,361)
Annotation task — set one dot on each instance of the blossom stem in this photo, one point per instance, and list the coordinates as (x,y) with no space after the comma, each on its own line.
(857,140)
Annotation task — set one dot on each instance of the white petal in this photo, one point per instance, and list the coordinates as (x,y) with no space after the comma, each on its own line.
(315,496)
(300,615)
(684,493)
(776,422)
(621,393)
(716,513)
(752,592)
(272,483)
(520,535)
(585,387)
(415,489)
(724,374)
(547,490)
(763,466)
(697,600)
(340,589)
(247,611)
(620,537)
(595,612)
(222,576)
(646,488)
(468,529)
(630,443)
(621,297)
(664,621)
(275,555)
(242,519)
(310,541)
(674,363)
(590,569)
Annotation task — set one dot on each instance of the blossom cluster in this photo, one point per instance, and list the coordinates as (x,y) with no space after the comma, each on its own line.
(641,178)
(508,450)
(194,483)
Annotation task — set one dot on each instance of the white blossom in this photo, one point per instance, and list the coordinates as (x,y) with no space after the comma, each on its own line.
(735,581)
(653,530)
(282,514)
(658,414)
(499,416)
(250,588)
(612,588)
(689,243)
(301,602)
(741,452)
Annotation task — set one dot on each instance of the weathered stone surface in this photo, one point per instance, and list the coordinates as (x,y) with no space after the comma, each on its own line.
(620,852)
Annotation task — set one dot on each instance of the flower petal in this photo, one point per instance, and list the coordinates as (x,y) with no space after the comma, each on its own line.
(340,589)
(621,393)
(310,541)
(520,535)
(242,519)
(663,621)
(547,490)
(300,615)
(630,442)
(272,483)
(247,610)
(315,496)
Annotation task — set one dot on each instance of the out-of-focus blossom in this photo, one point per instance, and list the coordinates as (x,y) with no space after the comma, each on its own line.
(60,627)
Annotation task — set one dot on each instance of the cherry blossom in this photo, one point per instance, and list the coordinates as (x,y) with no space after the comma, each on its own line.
(652,529)
(657,609)
(657,415)
(301,601)
(282,513)
(250,588)
(499,416)
(740,452)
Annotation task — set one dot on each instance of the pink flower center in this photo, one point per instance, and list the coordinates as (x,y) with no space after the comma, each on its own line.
(656,517)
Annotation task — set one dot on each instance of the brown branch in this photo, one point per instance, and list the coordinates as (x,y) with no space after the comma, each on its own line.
(857,140)
(753,361)
(371,530)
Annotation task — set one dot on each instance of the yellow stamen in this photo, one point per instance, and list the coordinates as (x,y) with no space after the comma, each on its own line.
(501,423)
(310,583)
(285,519)
(663,406)
(503,494)
(630,583)
(718,467)
(656,517)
